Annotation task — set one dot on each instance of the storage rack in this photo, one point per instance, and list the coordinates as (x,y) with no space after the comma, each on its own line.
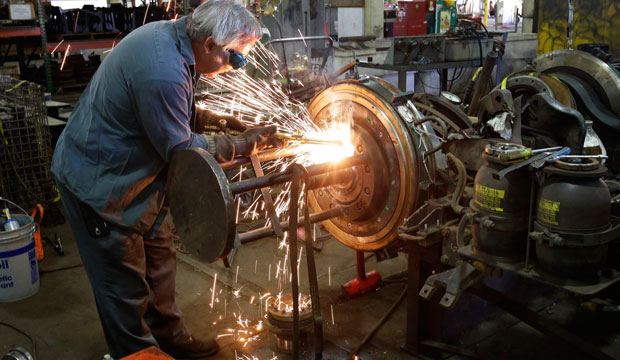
(48,47)
(25,151)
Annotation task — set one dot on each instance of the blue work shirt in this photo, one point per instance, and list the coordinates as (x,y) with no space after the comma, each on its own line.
(133,115)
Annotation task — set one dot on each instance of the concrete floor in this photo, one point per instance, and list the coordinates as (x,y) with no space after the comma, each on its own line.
(63,320)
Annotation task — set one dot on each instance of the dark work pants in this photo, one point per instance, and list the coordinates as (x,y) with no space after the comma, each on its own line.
(133,280)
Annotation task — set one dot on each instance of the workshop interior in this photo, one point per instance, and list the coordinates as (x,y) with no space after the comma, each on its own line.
(446,185)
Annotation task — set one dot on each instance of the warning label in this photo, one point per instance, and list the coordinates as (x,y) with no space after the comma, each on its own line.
(548,211)
(489,198)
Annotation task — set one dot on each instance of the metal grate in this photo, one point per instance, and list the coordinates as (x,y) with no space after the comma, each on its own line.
(25,151)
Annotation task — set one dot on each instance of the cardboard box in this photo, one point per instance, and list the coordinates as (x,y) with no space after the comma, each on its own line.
(23,11)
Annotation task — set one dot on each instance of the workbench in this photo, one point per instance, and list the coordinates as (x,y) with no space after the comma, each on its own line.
(404,69)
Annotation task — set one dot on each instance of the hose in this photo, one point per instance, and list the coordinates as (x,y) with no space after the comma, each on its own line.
(460,185)
(444,136)
(465,220)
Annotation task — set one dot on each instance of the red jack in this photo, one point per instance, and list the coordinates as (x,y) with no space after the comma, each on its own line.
(364,282)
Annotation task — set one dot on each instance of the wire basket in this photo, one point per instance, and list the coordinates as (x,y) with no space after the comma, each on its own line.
(25,151)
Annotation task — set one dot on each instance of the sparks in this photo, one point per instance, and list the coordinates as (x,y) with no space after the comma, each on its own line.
(302,37)
(61,41)
(146,13)
(76,21)
(112,48)
(237,292)
(65,57)
(332,309)
(329,275)
(213,291)
(256,101)
(237,273)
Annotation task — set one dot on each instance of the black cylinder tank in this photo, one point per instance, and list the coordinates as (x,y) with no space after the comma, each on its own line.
(573,206)
(502,205)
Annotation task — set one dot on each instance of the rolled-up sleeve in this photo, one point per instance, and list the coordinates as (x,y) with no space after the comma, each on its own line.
(163,108)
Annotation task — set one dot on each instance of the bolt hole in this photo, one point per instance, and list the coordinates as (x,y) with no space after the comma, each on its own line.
(498,99)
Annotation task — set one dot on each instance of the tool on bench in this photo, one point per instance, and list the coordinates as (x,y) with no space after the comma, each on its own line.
(523,153)
(536,161)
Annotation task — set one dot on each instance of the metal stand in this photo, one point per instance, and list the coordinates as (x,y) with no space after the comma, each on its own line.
(424,318)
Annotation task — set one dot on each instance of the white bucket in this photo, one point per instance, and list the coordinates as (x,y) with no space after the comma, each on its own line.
(19,271)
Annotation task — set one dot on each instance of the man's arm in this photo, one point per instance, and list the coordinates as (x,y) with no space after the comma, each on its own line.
(163,112)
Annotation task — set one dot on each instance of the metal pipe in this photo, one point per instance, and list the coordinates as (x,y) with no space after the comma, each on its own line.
(285,176)
(336,177)
(482,81)
(251,236)
(266,155)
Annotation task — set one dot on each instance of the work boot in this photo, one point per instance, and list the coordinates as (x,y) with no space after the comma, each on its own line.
(191,348)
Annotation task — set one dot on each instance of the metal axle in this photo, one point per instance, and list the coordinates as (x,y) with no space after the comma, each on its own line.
(285,176)
(250,236)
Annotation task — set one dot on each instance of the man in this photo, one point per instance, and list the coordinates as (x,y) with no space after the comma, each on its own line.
(111,160)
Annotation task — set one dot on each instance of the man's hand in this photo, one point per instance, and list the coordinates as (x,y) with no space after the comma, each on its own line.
(255,139)
(206,117)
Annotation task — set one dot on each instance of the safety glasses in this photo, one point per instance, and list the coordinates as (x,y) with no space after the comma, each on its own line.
(236,59)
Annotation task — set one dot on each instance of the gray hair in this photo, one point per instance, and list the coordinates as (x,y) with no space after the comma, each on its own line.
(229,23)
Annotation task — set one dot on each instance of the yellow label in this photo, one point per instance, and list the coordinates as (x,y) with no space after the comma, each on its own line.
(548,211)
(489,198)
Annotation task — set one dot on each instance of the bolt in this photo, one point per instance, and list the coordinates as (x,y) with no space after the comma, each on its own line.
(320,192)
(488,223)
(367,168)
(387,207)
(360,148)
(367,190)
(444,259)
(349,225)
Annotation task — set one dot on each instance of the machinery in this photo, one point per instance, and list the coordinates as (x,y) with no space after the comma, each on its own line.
(465,200)
(462,42)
